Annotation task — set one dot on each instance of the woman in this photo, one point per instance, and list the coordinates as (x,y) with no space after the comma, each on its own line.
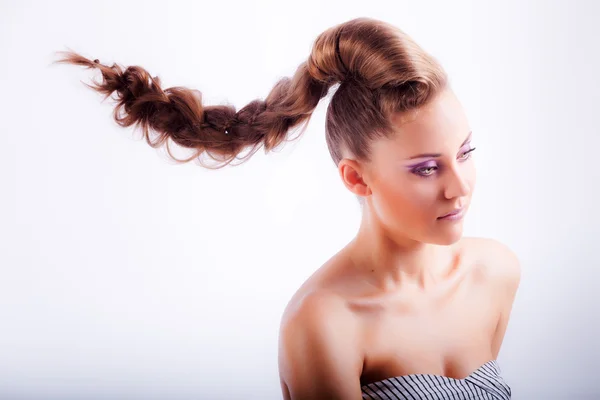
(409,309)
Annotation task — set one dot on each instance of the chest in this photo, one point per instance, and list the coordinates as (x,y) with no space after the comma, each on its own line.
(449,337)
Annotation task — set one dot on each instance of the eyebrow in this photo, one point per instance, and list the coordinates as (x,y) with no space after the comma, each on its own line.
(435,155)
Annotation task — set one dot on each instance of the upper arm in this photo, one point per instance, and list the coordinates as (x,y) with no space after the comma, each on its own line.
(318,356)
(507,277)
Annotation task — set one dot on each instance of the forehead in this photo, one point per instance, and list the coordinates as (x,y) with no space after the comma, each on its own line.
(440,125)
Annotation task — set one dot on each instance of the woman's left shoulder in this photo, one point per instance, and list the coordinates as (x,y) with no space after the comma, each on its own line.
(498,260)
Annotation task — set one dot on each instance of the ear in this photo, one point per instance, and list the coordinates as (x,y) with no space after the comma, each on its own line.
(354,177)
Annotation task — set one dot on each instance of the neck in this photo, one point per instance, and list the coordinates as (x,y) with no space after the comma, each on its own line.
(392,261)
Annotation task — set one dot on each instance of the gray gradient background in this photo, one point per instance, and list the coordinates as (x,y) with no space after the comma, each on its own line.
(124,276)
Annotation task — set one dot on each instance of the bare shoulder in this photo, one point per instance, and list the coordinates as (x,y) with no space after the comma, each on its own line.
(313,307)
(319,318)
(318,348)
(501,267)
(498,261)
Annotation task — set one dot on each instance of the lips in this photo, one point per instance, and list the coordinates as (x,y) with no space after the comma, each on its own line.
(451,213)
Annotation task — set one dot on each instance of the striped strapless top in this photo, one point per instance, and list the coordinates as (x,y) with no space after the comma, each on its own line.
(483,383)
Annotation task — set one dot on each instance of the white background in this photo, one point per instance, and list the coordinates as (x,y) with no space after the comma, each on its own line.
(126,276)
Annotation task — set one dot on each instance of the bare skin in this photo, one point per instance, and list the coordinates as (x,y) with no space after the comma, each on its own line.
(408,294)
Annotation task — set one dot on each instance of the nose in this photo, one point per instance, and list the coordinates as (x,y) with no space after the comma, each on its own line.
(457,184)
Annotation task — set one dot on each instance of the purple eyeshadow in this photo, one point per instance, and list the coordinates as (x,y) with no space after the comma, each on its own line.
(424,164)
(415,168)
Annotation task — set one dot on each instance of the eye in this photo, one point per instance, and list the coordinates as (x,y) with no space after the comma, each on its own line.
(421,171)
(467,154)
(428,171)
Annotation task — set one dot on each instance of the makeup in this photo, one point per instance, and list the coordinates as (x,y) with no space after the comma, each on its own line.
(454,217)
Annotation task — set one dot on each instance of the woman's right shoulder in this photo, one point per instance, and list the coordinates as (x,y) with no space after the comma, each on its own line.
(319,312)
(317,299)
(313,306)
(319,347)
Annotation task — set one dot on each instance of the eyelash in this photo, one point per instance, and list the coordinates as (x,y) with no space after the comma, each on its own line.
(416,171)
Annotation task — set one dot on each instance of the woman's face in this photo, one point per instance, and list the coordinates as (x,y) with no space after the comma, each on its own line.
(426,171)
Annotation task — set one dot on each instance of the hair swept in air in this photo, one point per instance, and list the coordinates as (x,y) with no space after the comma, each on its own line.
(379,68)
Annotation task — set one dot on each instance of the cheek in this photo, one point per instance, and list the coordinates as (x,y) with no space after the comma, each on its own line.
(407,202)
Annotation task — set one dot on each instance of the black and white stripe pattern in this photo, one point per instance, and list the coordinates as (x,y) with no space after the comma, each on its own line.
(484,383)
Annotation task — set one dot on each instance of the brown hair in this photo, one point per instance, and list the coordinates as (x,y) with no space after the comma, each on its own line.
(380,69)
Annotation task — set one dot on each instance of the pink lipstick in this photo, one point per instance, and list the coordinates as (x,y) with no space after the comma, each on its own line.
(453,216)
